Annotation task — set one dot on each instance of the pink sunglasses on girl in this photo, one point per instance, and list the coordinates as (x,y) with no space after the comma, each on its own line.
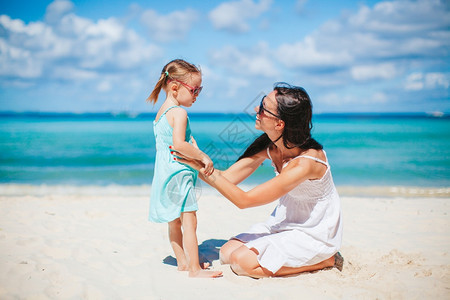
(193,90)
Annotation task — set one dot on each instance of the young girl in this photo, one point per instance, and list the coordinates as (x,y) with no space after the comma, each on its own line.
(173,197)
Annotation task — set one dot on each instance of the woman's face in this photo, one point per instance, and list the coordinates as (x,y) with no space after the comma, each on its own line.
(266,119)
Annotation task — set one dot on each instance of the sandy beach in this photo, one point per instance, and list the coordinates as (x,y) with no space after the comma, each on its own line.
(68,242)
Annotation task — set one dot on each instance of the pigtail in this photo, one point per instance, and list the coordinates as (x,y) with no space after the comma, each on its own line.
(157,89)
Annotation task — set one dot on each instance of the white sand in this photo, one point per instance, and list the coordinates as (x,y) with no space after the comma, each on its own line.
(96,243)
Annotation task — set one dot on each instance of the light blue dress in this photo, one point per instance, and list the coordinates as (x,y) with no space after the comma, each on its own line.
(173,186)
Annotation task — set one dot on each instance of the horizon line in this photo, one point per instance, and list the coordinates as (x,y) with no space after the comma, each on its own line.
(131,114)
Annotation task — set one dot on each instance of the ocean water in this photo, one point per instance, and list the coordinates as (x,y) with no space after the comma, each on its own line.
(105,149)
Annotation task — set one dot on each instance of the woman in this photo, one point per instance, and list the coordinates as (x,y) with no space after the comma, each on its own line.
(304,232)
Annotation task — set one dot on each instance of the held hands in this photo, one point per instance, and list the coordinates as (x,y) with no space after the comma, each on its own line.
(208,167)
(204,166)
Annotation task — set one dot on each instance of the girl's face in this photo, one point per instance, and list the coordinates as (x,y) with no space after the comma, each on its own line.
(187,95)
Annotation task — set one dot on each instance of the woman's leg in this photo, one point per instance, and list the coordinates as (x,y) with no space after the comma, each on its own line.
(227,249)
(284,271)
(189,224)
(244,262)
(176,241)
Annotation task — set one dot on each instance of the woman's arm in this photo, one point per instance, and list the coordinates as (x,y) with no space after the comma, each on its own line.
(244,167)
(264,193)
(237,172)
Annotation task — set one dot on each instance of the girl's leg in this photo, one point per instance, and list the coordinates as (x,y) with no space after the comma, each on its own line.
(176,241)
(244,262)
(227,249)
(189,224)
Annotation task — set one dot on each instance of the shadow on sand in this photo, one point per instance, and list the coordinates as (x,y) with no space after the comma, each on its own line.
(208,251)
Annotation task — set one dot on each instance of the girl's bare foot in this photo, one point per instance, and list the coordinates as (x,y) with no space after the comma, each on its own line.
(205,274)
(183,268)
(204,266)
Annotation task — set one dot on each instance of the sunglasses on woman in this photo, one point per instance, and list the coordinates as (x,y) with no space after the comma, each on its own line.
(193,90)
(262,109)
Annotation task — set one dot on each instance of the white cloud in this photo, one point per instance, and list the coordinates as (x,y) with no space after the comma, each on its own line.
(173,26)
(233,16)
(335,99)
(234,85)
(70,48)
(104,86)
(255,61)
(419,81)
(72,26)
(379,98)
(376,71)
(402,17)
(345,99)
(433,80)
(308,54)
(16,62)
(72,73)
(57,9)
(414,82)
(391,30)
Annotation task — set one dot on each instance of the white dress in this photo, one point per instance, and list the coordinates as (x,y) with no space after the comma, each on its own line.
(304,229)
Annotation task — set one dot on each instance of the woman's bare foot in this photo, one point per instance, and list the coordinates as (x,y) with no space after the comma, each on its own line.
(205,274)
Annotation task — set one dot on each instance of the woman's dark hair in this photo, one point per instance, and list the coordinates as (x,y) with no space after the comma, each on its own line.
(295,109)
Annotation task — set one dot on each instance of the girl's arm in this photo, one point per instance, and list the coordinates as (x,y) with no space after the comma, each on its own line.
(179,118)
(292,175)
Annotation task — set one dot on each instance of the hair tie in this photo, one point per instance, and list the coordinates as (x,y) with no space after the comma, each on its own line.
(167,73)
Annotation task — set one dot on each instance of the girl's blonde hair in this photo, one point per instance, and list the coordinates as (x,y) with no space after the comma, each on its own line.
(176,69)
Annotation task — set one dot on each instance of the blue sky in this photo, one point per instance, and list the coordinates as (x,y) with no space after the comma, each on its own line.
(351,56)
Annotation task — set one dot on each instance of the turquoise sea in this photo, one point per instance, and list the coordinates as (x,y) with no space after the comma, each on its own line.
(104,149)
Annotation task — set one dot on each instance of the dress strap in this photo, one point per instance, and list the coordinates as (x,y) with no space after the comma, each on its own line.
(268,153)
(314,158)
(168,110)
(162,115)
